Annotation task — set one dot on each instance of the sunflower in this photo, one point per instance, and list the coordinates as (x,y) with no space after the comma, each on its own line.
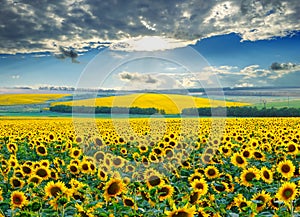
(15,182)
(238,160)
(220,187)
(292,148)
(42,172)
(99,156)
(98,142)
(195,176)
(211,172)
(248,175)
(154,179)
(12,147)
(258,155)
(165,192)
(41,150)
(143,148)
(262,199)
(241,202)
(287,192)
(36,180)
(201,212)
(118,162)
(113,188)
(274,203)
(181,212)
(18,199)
(194,197)
(75,184)
(55,189)
(26,169)
(247,153)
(266,175)
(127,201)
(85,167)
(200,185)
(286,169)
(73,168)
(225,150)
(102,175)
(75,153)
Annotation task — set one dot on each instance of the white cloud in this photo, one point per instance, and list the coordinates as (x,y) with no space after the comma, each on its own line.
(35,26)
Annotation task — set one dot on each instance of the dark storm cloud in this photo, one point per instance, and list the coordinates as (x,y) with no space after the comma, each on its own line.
(137,77)
(67,53)
(34,26)
(283,66)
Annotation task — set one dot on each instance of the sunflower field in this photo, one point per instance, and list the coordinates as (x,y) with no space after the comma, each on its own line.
(169,167)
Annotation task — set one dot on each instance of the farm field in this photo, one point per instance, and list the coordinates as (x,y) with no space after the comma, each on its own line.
(23,99)
(140,167)
(170,103)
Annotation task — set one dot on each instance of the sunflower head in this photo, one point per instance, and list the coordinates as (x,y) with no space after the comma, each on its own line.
(211,172)
(18,199)
(113,188)
(249,175)
(286,169)
(55,189)
(181,212)
(287,192)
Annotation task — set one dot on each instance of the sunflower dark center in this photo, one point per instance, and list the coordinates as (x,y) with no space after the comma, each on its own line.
(287,193)
(211,172)
(285,168)
(17,200)
(199,186)
(239,160)
(207,158)
(262,201)
(258,155)
(249,176)
(164,191)
(41,173)
(128,202)
(54,191)
(266,174)
(102,174)
(98,142)
(34,180)
(16,183)
(26,169)
(180,214)
(194,197)
(85,167)
(243,204)
(246,153)
(154,180)
(41,150)
(73,169)
(291,148)
(220,188)
(76,153)
(113,189)
(117,161)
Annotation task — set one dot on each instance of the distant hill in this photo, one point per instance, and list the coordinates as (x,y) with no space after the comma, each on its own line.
(170,103)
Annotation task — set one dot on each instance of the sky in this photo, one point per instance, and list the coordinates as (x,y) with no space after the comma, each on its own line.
(143,44)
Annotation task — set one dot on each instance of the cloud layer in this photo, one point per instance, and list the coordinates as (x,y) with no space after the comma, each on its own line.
(36,26)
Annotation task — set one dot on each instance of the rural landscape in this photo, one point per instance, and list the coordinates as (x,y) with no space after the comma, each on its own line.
(149,108)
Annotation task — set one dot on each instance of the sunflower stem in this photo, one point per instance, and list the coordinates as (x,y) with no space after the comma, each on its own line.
(292,209)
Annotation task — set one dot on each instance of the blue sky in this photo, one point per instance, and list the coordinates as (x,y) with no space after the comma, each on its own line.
(237,44)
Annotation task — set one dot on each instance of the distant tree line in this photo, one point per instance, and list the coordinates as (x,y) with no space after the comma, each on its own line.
(243,112)
(105,110)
